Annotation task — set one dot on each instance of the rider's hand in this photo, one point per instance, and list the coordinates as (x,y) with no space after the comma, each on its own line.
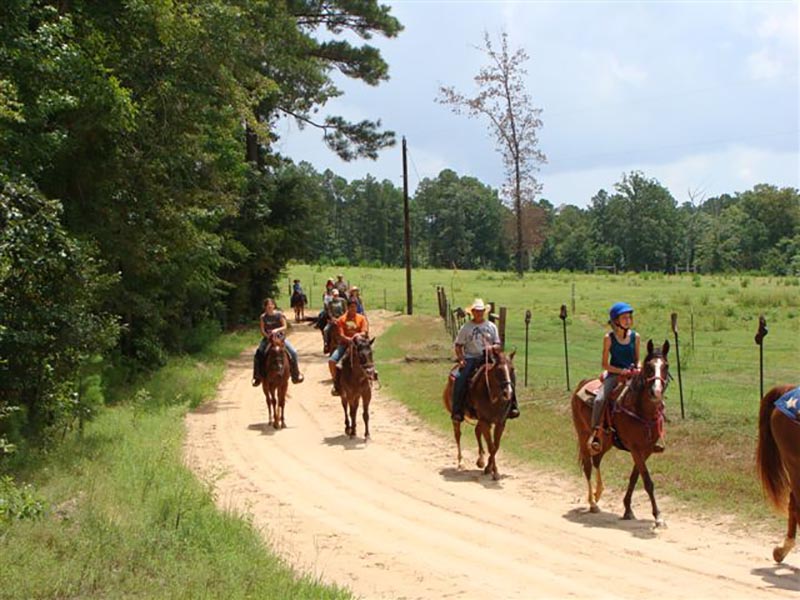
(462,363)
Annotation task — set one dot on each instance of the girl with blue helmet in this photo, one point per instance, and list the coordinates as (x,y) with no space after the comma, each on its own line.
(620,357)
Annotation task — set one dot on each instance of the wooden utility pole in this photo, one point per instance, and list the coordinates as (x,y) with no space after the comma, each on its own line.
(407,234)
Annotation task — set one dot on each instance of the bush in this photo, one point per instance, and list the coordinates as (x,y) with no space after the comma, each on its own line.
(18,502)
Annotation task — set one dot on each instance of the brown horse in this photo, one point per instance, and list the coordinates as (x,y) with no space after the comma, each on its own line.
(355,382)
(488,401)
(298,303)
(778,463)
(636,419)
(276,380)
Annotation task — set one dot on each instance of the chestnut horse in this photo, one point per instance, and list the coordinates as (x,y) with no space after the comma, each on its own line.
(488,401)
(636,420)
(778,463)
(276,380)
(355,382)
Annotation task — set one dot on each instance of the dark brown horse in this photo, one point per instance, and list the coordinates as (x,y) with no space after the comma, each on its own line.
(355,382)
(637,418)
(276,380)
(298,303)
(778,463)
(488,401)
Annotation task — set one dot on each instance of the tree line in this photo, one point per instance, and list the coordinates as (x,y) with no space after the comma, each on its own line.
(460,221)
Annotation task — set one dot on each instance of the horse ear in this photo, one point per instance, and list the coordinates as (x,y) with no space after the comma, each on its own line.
(665,348)
(372,341)
(649,347)
(513,354)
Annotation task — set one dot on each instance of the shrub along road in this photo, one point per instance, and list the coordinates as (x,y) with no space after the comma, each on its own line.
(394,519)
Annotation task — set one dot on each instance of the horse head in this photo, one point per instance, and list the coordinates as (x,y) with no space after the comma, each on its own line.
(361,349)
(501,380)
(275,354)
(655,372)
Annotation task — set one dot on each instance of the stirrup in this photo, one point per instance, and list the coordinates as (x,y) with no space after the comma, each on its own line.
(594,443)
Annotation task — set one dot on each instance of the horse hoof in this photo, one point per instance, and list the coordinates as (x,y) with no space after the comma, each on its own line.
(778,554)
(660,524)
(594,508)
(487,470)
(283,425)
(628,516)
(481,463)
(495,475)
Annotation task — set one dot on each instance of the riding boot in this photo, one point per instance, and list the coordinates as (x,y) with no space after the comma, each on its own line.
(294,369)
(595,444)
(457,414)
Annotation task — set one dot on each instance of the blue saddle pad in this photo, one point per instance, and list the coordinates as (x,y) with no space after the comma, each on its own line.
(789,403)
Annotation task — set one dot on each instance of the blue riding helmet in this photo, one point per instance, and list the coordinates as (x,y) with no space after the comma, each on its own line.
(618,309)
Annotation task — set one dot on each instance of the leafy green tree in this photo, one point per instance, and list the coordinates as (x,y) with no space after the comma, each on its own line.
(51,290)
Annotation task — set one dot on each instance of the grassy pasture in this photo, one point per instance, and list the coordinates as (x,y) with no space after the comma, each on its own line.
(709,461)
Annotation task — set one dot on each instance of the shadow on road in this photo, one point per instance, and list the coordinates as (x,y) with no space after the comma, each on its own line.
(348,443)
(640,528)
(471,476)
(780,576)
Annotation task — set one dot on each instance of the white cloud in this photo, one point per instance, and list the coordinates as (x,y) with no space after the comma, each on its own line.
(763,64)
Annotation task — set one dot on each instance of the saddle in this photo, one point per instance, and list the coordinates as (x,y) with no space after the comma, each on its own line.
(789,404)
(588,391)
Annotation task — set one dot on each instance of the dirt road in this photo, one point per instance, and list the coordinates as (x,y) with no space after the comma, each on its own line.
(394,519)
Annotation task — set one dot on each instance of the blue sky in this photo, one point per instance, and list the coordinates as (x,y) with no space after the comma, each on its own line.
(702,96)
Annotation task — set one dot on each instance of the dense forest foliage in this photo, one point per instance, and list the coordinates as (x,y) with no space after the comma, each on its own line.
(141,203)
(143,207)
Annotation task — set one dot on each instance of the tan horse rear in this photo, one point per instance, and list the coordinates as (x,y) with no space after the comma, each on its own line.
(778,463)
(488,401)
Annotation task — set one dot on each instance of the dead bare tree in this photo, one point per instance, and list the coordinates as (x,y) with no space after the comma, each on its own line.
(503,98)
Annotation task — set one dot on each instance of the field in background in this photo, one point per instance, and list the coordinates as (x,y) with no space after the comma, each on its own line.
(717,321)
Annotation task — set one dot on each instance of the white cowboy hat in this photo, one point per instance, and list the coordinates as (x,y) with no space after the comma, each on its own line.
(477,304)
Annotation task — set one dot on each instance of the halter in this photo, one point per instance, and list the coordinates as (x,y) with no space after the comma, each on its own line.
(366,367)
(487,351)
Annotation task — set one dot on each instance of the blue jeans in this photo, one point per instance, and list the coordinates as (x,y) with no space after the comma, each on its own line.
(609,383)
(337,354)
(258,360)
(461,382)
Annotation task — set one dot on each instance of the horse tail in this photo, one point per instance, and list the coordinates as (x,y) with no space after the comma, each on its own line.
(773,475)
(577,419)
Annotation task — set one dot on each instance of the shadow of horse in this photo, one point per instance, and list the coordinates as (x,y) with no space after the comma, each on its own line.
(636,527)
(265,428)
(778,459)
(784,577)
(346,441)
(456,475)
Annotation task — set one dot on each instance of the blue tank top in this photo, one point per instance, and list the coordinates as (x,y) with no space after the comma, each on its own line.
(623,355)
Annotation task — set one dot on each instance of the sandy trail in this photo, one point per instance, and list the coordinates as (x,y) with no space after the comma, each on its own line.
(395,519)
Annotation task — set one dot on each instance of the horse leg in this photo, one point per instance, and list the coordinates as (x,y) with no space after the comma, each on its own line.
(486,431)
(282,406)
(598,491)
(650,488)
(780,552)
(346,416)
(457,435)
(365,411)
(353,413)
(498,435)
(481,463)
(629,494)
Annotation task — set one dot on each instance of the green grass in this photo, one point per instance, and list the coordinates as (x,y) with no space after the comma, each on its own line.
(126,519)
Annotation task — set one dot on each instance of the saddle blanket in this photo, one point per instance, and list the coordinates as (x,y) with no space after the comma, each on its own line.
(789,403)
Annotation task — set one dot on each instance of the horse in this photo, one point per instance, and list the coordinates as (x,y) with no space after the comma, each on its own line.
(298,303)
(489,396)
(636,420)
(778,463)
(355,382)
(275,382)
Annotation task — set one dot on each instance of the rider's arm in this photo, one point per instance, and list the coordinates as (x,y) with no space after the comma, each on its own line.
(264,332)
(282,327)
(460,354)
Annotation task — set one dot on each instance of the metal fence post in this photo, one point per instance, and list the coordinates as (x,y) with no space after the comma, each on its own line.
(527,324)
(563,316)
(760,335)
(674,318)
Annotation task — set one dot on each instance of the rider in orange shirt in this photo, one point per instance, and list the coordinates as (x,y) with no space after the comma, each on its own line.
(350,324)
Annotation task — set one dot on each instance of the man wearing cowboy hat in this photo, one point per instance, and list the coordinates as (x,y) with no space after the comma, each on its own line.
(470,347)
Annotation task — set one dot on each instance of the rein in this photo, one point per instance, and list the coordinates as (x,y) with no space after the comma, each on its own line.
(658,421)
